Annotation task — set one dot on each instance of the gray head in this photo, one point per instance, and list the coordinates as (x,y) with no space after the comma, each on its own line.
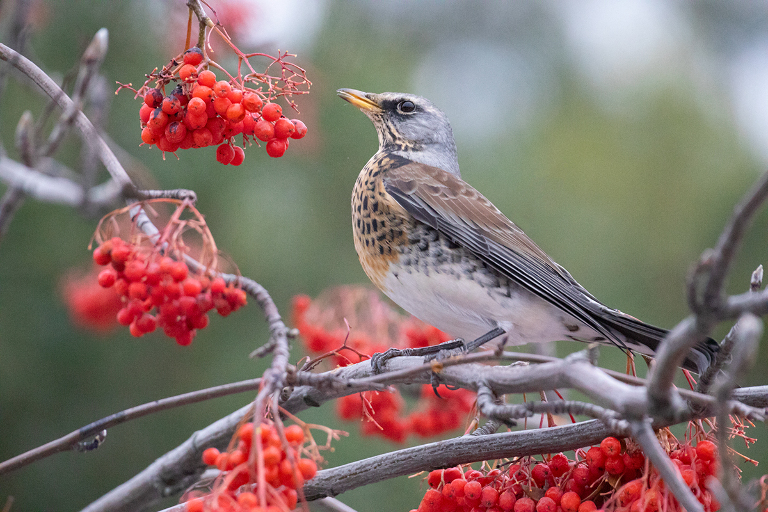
(410,126)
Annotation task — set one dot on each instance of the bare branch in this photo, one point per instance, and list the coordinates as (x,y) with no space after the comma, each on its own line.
(74,438)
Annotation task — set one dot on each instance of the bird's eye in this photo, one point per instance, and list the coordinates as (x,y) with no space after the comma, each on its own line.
(406,106)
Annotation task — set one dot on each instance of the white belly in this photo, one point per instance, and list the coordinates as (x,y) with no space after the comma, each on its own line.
(462,307)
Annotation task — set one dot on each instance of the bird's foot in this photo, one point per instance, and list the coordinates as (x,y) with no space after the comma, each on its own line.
(380,358)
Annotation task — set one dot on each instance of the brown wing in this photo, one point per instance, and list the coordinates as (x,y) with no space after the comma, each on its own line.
(451,206)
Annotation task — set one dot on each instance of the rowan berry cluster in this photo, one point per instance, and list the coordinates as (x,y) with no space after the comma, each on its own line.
(388,415)
(237,489)
(374,327)
(613,477)
(202,111)
(159,291)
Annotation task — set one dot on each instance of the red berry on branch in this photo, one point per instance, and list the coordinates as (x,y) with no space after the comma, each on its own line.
(220,105)
(301,129)
(706,450)
(221,89)
(489,496)
(546,505)
(252,102)
(525,504)
(202,137)
(144,113)
(153,98)
(210,455)
(107,277)
(284,128)
(264,130)
(276,148)
(171,105)
(225,154)
(196,106)
(239,156)
(611,446)
(271,112)
(570,502)
(188,73)
(235,95)
(207,78)
(175,132)
(193,56)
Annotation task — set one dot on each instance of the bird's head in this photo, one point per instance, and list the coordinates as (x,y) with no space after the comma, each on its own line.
(408,125)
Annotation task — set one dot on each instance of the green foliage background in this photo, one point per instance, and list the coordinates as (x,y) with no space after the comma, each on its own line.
(624,187)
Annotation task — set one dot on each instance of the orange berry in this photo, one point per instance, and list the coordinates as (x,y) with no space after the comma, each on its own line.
(148,136)
(263,130)
(235,112)
(272,455)
(204,93)
(153,98)
(221,89)
(611,446)
(252,102)
(307,468)
(210,455)
(187,72)
(196,106)
(271,112)
(294,434)
(570,502)
(193,56)
(284,128)
(207,78)
(194,505)
(235,95)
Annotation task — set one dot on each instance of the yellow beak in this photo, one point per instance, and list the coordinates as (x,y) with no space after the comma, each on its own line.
(359,99)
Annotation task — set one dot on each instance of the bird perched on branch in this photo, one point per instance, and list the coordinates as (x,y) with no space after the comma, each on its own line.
(444,253)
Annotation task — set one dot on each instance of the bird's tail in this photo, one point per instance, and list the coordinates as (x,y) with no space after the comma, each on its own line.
(645,338)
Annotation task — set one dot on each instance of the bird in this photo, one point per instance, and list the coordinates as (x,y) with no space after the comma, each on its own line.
(444,253)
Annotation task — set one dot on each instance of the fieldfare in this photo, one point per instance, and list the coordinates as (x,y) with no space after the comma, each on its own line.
(444,253)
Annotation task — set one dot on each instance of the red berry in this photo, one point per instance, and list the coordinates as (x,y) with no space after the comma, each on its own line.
(633,460)
(101,256)
(157,120)
(614,465)
(263,130)
(146,323)
(473,490)
(546,505)
(308,468)
(294,434)
(179,271)
(207,78)
(458,487)
(271,112)
(163,144)
(435,478)
(276,148)
(210,455)
(202,137)
(175,132)
(144,113)
(629,492)
(570,502)
(235,112)
(196,106)
(107,277)
(188,73)
(706,450)
(204,93)
(221,89)
(239,156)
(611,446)
(252,102)
(525,504)
(171,105)
(555,494)
(587,506)
(489,496)
(541,474)
(225,154)
(301,129)
(193,56)
(153,98)
(284,128)
(125,316)
(507,500)
(580,475)
(220,105)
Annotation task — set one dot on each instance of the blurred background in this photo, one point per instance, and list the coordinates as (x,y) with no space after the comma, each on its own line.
(618,135)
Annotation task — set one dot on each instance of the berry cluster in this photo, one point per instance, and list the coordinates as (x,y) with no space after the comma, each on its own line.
(89,305)
(374,327)
(430,416)
(595,479)
(236,490)
(149,281)
(202,111)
